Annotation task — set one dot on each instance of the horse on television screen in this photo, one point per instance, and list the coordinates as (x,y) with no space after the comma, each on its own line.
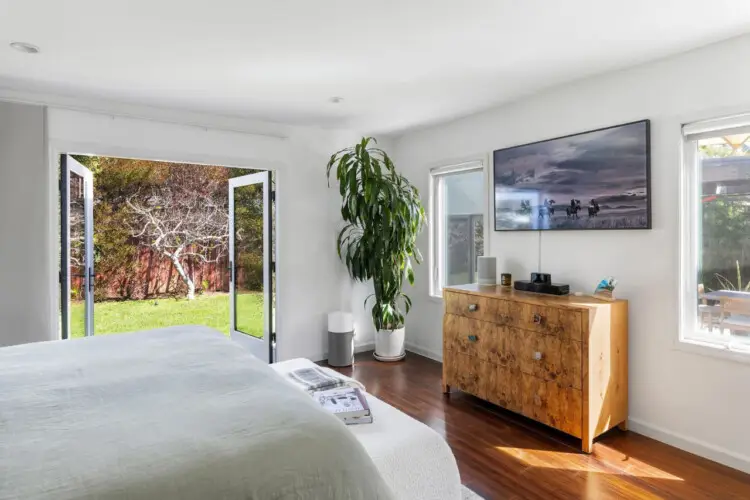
(547,210)
(573,209)
(594,208)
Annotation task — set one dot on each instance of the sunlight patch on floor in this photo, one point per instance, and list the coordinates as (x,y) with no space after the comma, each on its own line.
(548,459)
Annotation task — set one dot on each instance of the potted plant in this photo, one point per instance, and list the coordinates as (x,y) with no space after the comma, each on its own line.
(383,216)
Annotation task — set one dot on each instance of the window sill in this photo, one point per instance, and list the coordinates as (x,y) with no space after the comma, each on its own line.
(712,349)
(436,298)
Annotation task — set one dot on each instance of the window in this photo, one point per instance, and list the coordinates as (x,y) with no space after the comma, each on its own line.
(716,234)
(459,223)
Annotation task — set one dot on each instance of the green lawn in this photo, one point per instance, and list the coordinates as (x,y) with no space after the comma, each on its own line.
(207,310)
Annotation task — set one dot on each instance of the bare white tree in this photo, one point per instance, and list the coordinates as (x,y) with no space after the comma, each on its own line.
(76,240)
(185,217)
(76,222)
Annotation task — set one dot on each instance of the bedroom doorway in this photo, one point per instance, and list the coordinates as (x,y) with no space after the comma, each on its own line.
(150,244)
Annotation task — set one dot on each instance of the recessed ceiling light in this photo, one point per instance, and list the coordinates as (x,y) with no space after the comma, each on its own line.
(24,47)
(336,100)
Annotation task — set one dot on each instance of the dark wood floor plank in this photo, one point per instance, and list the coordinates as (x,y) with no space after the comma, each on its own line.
(503,455)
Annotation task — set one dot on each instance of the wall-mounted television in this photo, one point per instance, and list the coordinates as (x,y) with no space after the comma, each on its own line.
(599,179)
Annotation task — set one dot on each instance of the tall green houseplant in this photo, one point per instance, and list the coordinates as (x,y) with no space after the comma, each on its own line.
(383,216)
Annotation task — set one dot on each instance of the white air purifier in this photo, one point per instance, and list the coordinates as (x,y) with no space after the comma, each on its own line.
(340,338)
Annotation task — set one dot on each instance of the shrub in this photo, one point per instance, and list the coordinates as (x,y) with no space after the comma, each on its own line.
(251,277)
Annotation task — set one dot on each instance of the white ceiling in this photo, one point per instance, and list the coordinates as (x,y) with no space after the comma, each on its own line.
(398,64)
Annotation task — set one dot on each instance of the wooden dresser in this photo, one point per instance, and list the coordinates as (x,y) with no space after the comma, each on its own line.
(562,361)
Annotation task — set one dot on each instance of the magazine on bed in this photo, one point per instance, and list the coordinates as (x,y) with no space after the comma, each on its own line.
(348,404)
(315,379)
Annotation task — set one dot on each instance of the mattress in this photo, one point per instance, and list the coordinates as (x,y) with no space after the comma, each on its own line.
(177,413)
(414,460)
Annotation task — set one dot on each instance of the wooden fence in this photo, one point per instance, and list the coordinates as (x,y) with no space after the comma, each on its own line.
(153,275)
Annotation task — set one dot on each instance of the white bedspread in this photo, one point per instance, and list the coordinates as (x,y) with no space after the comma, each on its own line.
(167,414)
(414,460)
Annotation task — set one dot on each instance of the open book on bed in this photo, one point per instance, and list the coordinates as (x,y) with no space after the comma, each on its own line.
(340,396)
(349,404)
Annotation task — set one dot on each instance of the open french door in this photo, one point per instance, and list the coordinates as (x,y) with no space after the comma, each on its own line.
(76,249)
(251,263)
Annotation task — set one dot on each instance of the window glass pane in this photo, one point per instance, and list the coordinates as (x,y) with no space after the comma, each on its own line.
(463,226)
(723,309)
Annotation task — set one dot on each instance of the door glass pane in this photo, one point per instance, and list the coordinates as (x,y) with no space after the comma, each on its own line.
(77,271)
(463,226)
(249,220)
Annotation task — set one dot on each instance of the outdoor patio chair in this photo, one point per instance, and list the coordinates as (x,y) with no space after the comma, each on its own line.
(735,314)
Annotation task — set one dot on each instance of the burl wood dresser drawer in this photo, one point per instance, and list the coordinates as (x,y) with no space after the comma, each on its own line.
(559,360)
(563,323)
(529,395)
(544,356)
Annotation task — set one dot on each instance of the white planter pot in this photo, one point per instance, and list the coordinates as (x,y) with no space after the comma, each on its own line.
(389,345)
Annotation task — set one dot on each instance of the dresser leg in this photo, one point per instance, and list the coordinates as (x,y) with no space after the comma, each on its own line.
(446,389)
(623,426)
(587,445)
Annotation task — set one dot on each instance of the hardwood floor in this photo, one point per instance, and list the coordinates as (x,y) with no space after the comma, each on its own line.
(502,455)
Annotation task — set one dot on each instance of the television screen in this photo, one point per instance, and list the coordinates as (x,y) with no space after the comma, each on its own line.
(593,180)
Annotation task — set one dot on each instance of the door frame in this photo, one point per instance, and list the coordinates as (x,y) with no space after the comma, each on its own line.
(69,165)
(97,134)
(263,348)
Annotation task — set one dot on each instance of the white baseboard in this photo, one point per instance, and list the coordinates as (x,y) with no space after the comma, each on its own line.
(427,353)
(691,445)
(368,346)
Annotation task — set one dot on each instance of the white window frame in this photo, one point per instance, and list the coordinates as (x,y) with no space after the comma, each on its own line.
(690,338)
(436,234)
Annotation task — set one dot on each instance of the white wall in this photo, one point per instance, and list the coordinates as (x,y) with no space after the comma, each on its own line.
(315,280)
(696,402)
(23,241)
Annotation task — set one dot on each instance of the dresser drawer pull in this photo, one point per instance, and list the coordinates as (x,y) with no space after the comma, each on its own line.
(538,318)
(473,307)
(538,356)
(473,338)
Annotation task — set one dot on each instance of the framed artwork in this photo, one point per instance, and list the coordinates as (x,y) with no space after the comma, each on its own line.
(599,179)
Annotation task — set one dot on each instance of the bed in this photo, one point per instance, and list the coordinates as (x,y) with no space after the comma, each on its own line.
(186,413)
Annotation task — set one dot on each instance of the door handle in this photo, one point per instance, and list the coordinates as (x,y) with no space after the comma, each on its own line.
(230,268)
